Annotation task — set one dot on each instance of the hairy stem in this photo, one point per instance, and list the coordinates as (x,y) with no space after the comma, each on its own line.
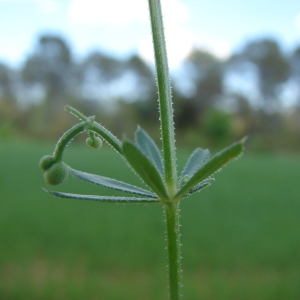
(173,240)
(65,139)
(107,136)
(91,126)
(75,113)
(165,96)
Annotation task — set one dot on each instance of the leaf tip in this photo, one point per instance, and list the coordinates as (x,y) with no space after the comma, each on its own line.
(242,143)
(45,190)
(67,107)
(244,140)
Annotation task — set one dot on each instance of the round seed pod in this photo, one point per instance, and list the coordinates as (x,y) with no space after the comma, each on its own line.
(46,162)
(95,142)
(57,173)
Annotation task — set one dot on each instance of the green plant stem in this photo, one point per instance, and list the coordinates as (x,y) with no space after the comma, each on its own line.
(81,127)
(165,96)
(65,139)
(173,240)
(75,113)
(168,145)
(107,136)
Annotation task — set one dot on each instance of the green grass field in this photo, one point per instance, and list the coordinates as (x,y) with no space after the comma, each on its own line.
(241,236)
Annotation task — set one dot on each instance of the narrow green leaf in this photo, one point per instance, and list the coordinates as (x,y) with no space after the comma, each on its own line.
(195,161)
(112,183)
(198,187)
(104,198)
(213,165)
(149,148)
(144,168)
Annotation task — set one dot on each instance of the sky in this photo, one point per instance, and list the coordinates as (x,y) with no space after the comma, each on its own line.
(121,27)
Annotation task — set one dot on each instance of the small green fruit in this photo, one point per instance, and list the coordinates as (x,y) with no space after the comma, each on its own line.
(57,173)
(95,142)
(46,162)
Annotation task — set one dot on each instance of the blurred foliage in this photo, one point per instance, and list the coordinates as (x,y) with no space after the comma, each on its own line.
(217,127)
(214,100)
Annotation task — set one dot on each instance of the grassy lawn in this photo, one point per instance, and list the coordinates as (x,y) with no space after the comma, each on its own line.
(240,236)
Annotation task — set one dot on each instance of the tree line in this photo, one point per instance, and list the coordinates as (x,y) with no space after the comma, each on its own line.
(256,92)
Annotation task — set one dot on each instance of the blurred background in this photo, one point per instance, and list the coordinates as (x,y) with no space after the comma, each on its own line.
(235,71)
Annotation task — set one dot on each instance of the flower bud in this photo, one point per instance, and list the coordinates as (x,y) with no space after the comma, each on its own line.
(46,162)
(57,173)
(94,142)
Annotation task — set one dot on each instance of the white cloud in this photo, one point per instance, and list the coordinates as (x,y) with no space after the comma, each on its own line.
(179,43)
(179,39)
(113,12)
(174,12)
(119,12)
(122,13)
(219,48)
